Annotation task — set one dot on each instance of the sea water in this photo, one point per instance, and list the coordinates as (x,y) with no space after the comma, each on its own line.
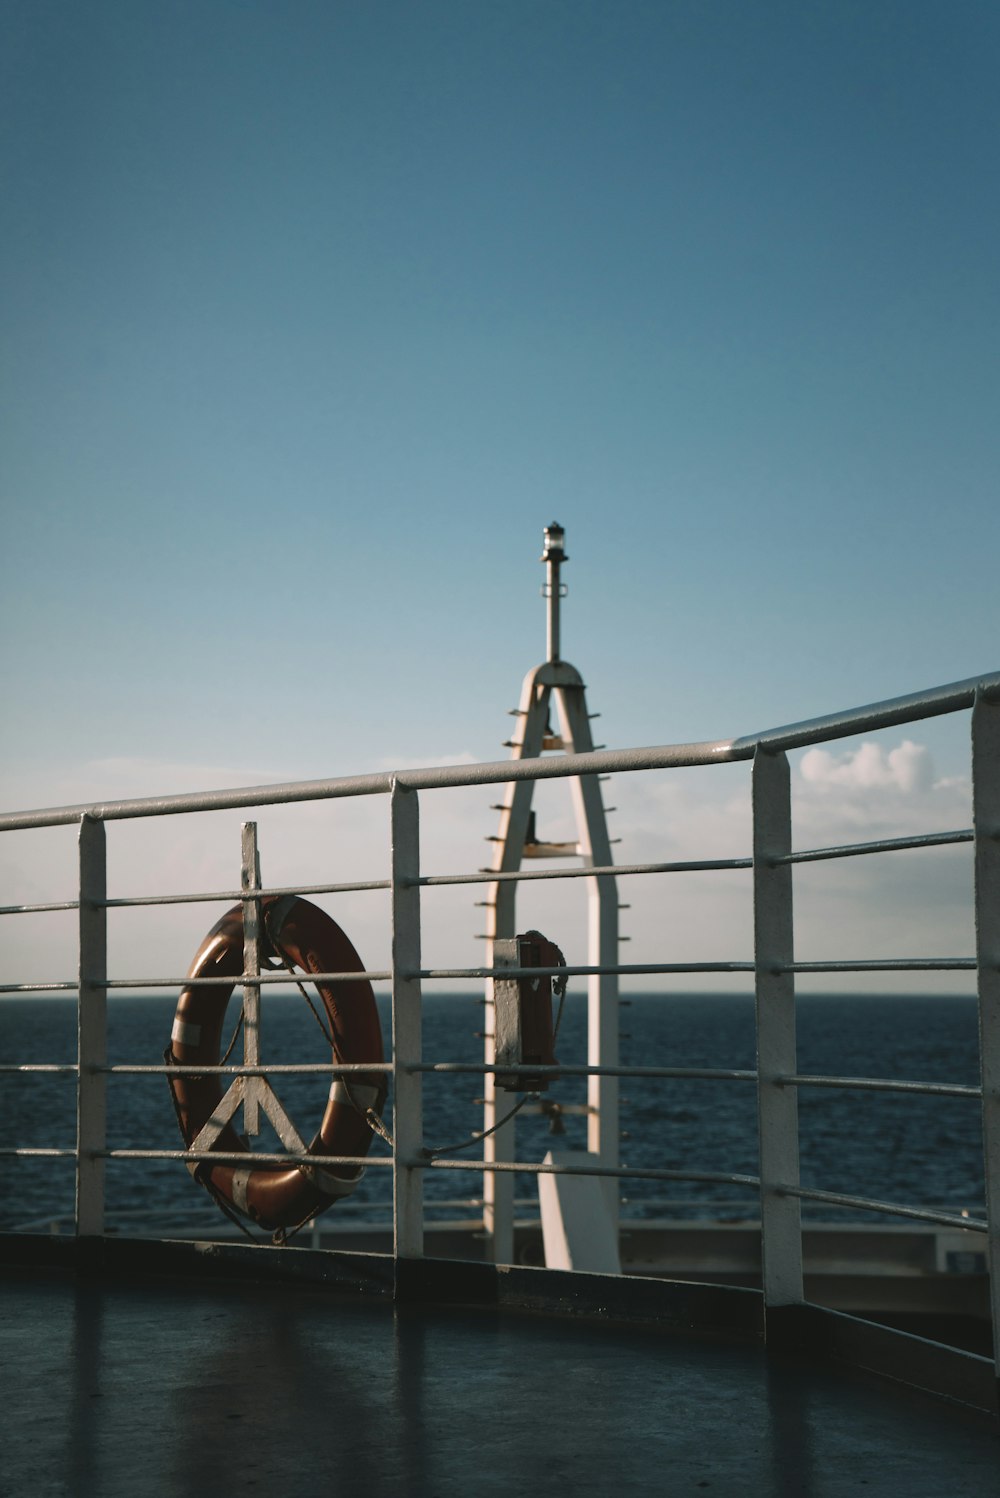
(911,1149)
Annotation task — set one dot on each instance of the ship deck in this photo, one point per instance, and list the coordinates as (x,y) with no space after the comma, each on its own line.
(172,1386)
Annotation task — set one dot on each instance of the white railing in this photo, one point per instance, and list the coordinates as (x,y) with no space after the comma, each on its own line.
(777,1078)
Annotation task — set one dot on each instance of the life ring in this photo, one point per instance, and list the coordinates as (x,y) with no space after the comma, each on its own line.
(275,1196)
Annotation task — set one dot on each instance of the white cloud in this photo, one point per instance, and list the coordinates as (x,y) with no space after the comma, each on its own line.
(875,791)
(906,768)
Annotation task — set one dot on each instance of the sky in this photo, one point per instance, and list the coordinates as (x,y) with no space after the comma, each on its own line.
(315,314)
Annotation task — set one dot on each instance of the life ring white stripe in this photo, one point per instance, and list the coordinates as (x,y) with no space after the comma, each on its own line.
(331,1185)
(353,1094)
(185,1032)
(241,1179)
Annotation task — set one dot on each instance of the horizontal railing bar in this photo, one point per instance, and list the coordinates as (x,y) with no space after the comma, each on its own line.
(40,1154)
(270,978)
(480,1068)
(235,1157)
(491,876)
(623,969)
(39,909)
(809,1225)
(620,1172)
(890,1209)
(200,1219)
(863,965)
(345,1068)
(68,1068)
(572,971)
(888,965)
(496,772)
(883,845)
(878,1084)
(497,876)
(256,894)
(217,1157)
(305,1068)
(381,1210)
(912,708)
(277,978)
(419,1162)
(68,986)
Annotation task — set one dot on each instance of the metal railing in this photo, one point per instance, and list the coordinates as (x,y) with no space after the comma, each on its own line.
(777,1078)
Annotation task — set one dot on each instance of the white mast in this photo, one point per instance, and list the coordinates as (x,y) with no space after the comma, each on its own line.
(515,841)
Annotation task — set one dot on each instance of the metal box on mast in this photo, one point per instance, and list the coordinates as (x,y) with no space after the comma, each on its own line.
(514,842)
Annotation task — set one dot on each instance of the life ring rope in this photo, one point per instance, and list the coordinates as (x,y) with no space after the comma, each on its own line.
(367,1111)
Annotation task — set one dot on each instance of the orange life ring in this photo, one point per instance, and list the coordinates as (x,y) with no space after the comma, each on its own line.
(275,1196)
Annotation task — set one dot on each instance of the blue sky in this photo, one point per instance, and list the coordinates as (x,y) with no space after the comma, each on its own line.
(314,314)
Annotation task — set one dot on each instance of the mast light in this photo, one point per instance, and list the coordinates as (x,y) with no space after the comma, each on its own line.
(555,544)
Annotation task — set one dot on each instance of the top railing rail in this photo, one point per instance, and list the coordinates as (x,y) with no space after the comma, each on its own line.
(930,703)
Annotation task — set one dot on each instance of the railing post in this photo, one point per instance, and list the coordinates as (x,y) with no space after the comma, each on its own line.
(986,824)
(498,1185)
(92,1044)
(250,881)
(407,1105)
(777,1106)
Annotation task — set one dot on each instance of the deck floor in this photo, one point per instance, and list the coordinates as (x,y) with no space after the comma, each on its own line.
(163,1389)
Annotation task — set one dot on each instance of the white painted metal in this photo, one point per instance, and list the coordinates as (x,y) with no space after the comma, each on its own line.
(602,943)
(501,926)
(92,1030)
(266,1100)
(505,998)
(249,881)
(578,1230)
(499,1143)
(986,821)
(559,683)
(407,1107)
(224,1111)
(777,1104)
(571,969)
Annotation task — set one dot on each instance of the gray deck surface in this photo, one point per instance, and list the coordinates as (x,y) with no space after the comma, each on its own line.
(166,1389)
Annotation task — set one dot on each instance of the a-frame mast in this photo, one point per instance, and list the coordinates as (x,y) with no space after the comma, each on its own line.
(560,682)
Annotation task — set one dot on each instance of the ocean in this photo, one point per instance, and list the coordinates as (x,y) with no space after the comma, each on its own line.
(912,1149)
